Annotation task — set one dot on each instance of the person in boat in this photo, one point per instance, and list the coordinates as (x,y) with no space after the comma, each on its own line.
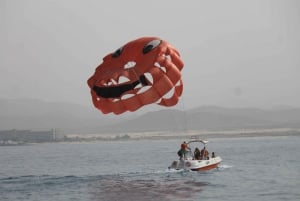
(197,154)
(184,148)
(204,154)
(213,155)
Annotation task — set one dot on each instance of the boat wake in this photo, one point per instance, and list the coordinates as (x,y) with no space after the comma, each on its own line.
(156,186)
(152,188)
(223,166)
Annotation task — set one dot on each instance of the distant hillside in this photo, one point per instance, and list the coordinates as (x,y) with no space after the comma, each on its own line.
(73,118)
(39,115)
(236,118)
(163,120)
(210,118)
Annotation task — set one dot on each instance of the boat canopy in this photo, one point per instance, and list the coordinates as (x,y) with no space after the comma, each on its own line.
(204,142)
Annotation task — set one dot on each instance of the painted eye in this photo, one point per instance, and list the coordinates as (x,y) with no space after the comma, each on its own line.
(151,45)
(117,53)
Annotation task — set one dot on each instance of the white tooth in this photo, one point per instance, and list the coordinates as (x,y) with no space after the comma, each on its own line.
(149,77)
(170,93)
(109,83)
(123,79)
(127,96)
(129,64)
(115,100)
(114,81)
(138,86)
(168,57)
(157,64)
(143,89)
(178,83)
(158,101)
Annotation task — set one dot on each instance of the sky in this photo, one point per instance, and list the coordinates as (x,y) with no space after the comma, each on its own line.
(236,53)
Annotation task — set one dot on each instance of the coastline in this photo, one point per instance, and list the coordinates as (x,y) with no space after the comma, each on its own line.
(206,135)
(187,135)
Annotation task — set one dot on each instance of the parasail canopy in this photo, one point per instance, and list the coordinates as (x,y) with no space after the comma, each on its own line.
(144,71)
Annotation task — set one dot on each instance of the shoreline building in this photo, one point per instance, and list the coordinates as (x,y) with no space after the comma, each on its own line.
(28,135)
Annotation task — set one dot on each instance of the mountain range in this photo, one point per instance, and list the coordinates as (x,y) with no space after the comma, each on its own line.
(75,118)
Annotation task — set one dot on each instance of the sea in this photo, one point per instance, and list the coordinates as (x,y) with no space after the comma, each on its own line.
(253,168)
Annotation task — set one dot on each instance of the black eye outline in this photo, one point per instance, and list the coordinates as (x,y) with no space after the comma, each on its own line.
(151,45)
(117,53)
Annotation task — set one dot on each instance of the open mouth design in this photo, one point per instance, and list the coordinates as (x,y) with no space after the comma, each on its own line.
(118,90)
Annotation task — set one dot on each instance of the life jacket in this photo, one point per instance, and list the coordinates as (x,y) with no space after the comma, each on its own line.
(183,146)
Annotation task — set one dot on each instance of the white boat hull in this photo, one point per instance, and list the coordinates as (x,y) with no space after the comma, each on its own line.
(196,165)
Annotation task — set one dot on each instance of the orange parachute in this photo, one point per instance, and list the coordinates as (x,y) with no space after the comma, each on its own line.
(144,71)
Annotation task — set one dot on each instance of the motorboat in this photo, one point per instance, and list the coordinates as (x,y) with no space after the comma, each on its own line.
(190,160)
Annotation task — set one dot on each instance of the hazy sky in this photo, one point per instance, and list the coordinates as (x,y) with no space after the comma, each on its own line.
(236,53)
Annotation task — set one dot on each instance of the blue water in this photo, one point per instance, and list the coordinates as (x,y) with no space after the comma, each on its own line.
(262,168)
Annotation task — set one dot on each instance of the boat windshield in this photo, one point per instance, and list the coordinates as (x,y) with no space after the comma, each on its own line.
(189,155)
